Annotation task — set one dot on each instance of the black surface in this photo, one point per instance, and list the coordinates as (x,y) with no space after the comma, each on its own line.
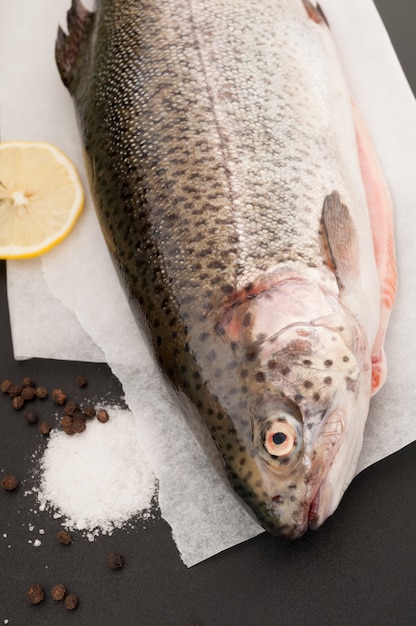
(359,568)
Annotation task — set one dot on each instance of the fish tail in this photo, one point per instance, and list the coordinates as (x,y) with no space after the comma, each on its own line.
(69,46)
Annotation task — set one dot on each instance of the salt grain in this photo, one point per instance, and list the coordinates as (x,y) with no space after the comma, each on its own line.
(99,479)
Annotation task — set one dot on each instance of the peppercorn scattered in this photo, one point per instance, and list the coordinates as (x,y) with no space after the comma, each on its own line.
(81,381)
(70,408)
(58,396)
(28,393)
(9,483)
(78,425)
(31,416)
(14,390)
(115,560)
(5,386)
(66,420)
(18,403)
(64,537)
(69,428)
(71,601)
(28,382)
(41,392)
(73,421)
(89,411)
(44,428)
(58,592)
(102,416)
(78,414)
(35,595)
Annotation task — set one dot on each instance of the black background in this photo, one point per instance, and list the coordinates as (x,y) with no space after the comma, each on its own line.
(359,568)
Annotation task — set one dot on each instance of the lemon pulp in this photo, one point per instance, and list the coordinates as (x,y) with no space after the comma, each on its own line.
(41,197)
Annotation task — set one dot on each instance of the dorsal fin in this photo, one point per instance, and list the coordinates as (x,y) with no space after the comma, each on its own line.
(68,47)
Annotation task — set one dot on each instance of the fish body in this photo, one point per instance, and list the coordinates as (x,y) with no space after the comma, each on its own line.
(221,147)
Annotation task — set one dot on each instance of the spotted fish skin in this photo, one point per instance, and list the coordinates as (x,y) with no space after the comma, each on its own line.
(220,146)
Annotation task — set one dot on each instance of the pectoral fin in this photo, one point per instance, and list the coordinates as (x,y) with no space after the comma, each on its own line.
(340,239)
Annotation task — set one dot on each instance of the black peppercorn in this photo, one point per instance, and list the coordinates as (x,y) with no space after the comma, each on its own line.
(28,382)
(66,420)
(68,428)
(78,414)
(41,392)
(102,416)
(81,381)
(71,601)
(28,393)
(14,390)
(115,560)
(31,416)
(18,402)
(9,483)
(78,425)
(5,386)
(58,396)
(58,592)
(64,537)
(35,594)
(72,426)
(70,408)
(44,428)
(89,411)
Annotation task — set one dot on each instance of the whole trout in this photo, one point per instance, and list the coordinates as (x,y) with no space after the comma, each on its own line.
(227,163)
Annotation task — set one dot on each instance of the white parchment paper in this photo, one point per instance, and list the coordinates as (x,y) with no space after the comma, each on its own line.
(81,311)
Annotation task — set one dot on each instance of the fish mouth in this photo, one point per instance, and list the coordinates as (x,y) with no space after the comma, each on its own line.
(296,512)
(328,444)
(293,525)
(313,515)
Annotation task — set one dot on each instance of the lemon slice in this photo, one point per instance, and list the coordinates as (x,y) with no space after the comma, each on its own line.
(41,197)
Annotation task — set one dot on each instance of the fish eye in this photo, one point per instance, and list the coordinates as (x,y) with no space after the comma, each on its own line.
(281,437)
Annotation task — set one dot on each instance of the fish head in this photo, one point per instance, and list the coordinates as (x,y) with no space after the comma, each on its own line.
(309,401)
(307,431)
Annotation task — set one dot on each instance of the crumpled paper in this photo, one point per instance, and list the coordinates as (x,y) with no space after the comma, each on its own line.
(69,304)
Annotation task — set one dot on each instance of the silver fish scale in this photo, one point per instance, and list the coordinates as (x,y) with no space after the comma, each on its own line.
(273,101)
(233,117)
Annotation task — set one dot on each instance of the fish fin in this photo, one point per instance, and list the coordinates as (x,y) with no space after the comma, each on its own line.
(339,239)
(380,209)
(315,12)
(68,47)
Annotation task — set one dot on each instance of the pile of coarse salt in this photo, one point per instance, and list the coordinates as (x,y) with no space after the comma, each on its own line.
(99,479)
